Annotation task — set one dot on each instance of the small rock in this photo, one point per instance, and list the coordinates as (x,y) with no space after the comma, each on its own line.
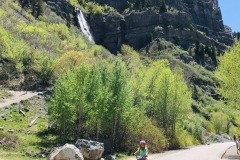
(40,93)
(28,132)
(26,109)
(11,130)
(111,157)
(41,155)
(3,140)
(28,154)
(2,115)
(1,128)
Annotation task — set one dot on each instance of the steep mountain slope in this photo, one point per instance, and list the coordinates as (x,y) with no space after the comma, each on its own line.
(40,41)
(196,27)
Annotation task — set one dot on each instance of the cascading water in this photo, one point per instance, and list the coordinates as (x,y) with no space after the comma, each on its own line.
(83,24)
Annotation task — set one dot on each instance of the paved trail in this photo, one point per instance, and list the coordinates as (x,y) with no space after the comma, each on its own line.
(206,152)
(16,97)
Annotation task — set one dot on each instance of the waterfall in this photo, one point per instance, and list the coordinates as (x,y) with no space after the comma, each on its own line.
(83,24)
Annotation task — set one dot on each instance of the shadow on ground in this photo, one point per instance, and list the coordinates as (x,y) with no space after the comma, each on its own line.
(231,153)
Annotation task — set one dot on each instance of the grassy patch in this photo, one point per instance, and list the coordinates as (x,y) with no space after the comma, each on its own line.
(22,142)
(15,156)
(4,94)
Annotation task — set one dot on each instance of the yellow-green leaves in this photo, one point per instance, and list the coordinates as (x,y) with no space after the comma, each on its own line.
(172,99)
(228,72)
(13,49)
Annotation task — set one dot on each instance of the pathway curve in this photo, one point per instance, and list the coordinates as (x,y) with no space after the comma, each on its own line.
(16,97)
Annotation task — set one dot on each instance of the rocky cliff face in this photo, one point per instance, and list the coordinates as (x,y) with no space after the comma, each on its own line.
(185,22)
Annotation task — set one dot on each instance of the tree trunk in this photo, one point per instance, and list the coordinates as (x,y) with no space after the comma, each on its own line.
(114,132)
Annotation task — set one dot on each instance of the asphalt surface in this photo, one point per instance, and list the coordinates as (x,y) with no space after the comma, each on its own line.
(205,152)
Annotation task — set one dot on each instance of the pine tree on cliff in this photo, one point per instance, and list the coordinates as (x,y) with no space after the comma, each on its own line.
(163,7)
(36,6)
(214,55)
(137,4)
(201,52)
(197,51)
(238,36)
(143,3)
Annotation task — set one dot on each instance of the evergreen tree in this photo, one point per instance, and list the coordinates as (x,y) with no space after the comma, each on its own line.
(201,52)
(163,7)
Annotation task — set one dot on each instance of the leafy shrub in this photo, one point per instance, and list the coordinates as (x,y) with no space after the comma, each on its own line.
(182,138)
(45,69)
(95,8)
(219,121)
(70,60)
(139,127)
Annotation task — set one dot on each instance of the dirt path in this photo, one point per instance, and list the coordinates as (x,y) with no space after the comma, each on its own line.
(206,152)
(16,97)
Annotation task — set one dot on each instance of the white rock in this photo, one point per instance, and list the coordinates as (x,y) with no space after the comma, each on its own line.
(66,152)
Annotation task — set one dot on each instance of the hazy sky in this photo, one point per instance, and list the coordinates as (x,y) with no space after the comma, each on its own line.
(231,13)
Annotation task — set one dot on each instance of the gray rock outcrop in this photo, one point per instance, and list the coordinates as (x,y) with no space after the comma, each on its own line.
(91,150)
(186,22)
(66,152)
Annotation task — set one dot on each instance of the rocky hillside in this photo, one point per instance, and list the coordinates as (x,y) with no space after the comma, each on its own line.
(182,22)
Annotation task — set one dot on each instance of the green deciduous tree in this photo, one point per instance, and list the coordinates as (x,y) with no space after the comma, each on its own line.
(220,121)
(172,100)
(228,73)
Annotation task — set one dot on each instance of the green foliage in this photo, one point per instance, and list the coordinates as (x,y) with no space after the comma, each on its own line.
(19,142)
(103,91)
(228,73)
(45,69)
(4,94)
(70,60)
(74,3)
(95,8)
(184,138)
(14,49)
(130,57)
(172,100)
(220,121)
(36,6)
(31,46)
(194,127)
(140,127)
(102,97)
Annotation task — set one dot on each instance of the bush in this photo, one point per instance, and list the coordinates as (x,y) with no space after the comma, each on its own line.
(45,69)
(70,60)
(194,127)
(137,127)
(219,121)
(182,138)
(95,8)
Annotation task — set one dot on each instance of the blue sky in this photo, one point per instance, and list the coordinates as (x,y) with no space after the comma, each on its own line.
(231,13)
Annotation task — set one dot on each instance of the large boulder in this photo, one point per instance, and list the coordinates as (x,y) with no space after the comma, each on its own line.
(91,150)
(66,152)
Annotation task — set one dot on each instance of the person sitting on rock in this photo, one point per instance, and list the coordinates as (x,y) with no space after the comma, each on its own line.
(143,150)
